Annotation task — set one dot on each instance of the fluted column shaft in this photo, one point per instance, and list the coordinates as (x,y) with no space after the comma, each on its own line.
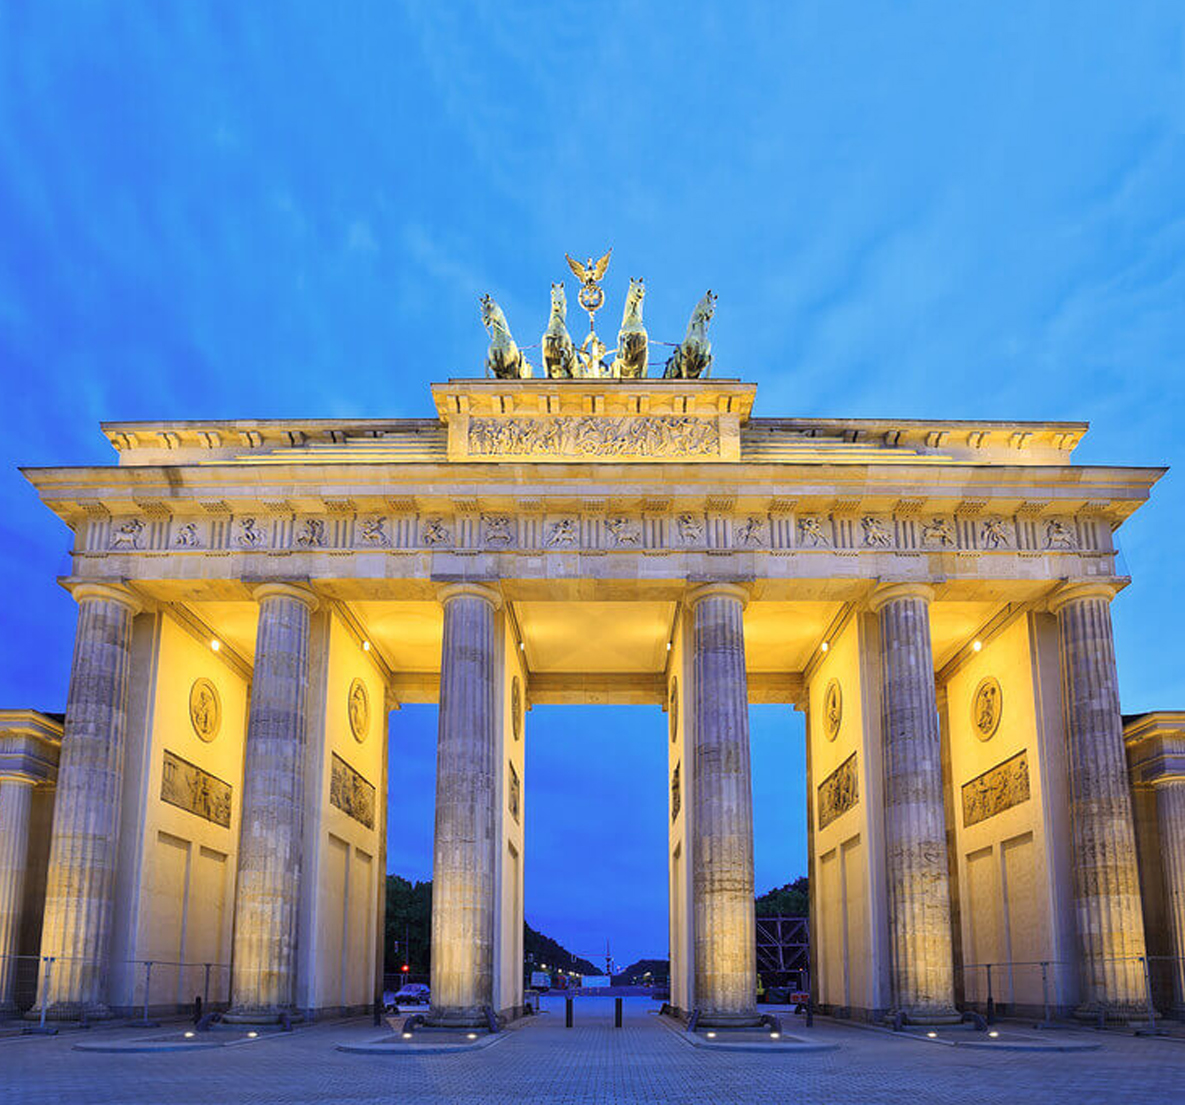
(1106,881)
(271,840)
(16,800)
(80,884)
(465,851)
(1170,817)
(722,818)
(915,825)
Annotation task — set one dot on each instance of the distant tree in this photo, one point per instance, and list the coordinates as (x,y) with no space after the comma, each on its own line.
(409,934)
(643,971)
(791,900)
(409,926)
(539,949)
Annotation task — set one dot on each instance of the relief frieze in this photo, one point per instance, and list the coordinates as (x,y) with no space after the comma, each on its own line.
(996,790)
(679,530)
(591,436)
(839,792)
(188,787)
(351,793)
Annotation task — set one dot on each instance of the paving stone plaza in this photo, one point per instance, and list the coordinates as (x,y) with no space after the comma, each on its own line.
(592,1063)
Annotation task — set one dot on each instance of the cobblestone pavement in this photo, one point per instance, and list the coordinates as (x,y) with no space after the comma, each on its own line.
(590,1064)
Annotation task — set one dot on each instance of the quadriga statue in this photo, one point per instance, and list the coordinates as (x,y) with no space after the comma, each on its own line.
(559,353)
(504,359)
(633,346)
(692,358)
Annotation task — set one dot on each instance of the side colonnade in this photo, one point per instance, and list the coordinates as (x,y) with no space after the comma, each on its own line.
(477,898)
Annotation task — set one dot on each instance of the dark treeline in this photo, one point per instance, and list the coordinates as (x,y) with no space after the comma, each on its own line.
(409,930)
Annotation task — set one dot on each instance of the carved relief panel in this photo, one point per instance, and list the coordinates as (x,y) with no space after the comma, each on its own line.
(188,787)
(839,792)
(996,790)
(350,792)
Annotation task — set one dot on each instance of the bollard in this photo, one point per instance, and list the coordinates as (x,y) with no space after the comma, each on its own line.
(45,993)
(197,1009)
(378,1011)
(40,1029)
(206,988)
(1048,1021)
(147,986)
(617,1013)
(567,1012)
(1152,1029)
(991,1002)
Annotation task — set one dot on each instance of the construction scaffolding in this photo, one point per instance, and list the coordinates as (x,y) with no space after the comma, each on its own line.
(783,952)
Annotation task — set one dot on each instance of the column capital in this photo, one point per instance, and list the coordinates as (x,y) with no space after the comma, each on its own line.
(736,591)
(276,589)
(885,593)
(19,778)
(1083,589)
(106,592)
(473,589)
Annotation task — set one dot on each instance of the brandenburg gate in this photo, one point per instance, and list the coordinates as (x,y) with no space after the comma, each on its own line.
(254,597)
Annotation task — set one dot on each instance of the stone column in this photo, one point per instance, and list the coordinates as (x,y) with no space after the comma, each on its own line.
(80,885)
(465,852)
(722,811)
(16,799)
(1170,819)
(921,956)
(270,844)
(1106,881)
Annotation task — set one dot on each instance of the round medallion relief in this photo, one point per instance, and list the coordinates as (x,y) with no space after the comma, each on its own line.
(205,709)
(832,709)
(358,704)
(987,704)
(516,708)
(673,710)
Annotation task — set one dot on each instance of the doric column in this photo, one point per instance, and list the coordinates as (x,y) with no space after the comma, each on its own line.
(270,844)
(16,800)
(1106,881)
(915,826)
(1170,819)
(722,813)
(80,884)
(465,851)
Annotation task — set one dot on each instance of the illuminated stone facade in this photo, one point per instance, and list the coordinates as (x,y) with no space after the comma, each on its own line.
(933,595)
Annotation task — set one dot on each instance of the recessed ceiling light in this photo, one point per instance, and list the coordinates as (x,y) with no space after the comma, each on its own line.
(215,644)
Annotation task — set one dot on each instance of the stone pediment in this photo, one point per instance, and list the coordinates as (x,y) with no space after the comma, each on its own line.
(574,420)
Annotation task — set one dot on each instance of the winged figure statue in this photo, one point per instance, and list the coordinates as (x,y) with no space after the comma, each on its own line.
(589,272)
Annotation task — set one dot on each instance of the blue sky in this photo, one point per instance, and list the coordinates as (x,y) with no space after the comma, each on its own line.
(921,210)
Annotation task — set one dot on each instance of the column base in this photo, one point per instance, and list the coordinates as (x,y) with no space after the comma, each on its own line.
(927,1014)
(261,1016)
(1112,1012)
(477,1017)
(71,1011)
(709,1018)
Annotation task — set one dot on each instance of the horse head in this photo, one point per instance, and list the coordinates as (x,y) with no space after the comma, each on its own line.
(492,317)
(705,309)
(559,301)
(633,301)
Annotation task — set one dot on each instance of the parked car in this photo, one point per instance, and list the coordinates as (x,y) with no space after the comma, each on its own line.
(413,993)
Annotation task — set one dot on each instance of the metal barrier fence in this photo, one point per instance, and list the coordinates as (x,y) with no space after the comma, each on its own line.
(138,987)
(1023,987)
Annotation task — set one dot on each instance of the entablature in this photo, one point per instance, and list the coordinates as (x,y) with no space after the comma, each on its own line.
(637,421)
